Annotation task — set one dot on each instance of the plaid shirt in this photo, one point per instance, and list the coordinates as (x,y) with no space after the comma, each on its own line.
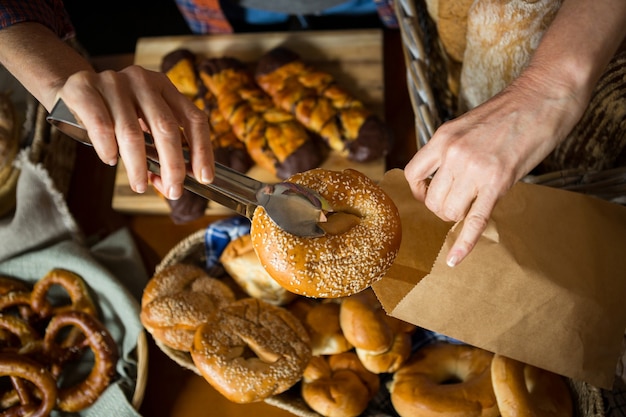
(50,13)
(206,16)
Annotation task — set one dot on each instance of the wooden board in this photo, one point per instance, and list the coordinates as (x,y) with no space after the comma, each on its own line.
(353,57)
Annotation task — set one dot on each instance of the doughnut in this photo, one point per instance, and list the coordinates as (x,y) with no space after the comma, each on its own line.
(250,350)
(525,390)
(445,379)
(362,239)
(177,300)
(338,385)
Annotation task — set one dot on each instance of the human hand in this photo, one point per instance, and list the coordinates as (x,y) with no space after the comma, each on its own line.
(473,160)
(117,107)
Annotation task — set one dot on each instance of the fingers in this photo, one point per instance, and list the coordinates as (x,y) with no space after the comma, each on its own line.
(474,225)
(117,107)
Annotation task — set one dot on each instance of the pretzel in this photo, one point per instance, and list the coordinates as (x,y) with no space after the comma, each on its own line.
(73,284)
(15,297)
(105,352)
(16,326)
(24,371)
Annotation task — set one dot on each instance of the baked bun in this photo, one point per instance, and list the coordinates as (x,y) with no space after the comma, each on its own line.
(392,359)
(445,379)
(321,320)
(362,238)
(523,389)
(365,323)
(177,300)
(338,385)
(318,102)
(250,350)
(241,263)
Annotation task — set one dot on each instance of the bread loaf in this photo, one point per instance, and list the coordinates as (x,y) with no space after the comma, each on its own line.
(491,59)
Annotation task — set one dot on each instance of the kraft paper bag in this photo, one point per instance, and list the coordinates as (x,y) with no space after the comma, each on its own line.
(546,283)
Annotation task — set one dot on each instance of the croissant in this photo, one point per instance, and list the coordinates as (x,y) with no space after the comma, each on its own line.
(319,103)
(273,137)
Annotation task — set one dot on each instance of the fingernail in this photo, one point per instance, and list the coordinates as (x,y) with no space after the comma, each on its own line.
(174,192)
(112,162)
(452,260)
(140,188)
(206,176)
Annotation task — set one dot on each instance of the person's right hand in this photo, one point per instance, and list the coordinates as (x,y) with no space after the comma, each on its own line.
(117,106)
(473,160)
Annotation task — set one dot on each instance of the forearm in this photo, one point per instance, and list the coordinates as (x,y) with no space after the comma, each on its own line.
(577,47)
(39,59)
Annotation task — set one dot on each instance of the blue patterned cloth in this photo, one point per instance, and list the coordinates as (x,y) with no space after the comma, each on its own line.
(218,234)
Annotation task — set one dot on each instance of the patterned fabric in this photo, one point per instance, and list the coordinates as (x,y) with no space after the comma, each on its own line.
(204,16)
(218,234)
(208,17)
(50,13)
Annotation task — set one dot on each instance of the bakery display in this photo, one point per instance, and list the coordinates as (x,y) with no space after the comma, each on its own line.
(361,361)
(362,239)
(55,352)
(274,138)
(250,350)
(317,100)
(519,386)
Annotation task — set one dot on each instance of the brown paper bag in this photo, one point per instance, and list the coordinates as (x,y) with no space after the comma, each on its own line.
(546,283)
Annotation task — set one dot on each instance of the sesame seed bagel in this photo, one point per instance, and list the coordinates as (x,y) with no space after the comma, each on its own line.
(362,239)
(250,350)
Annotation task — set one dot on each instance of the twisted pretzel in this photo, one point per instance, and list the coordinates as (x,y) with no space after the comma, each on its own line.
(73,284)
(24,371)
(78,396)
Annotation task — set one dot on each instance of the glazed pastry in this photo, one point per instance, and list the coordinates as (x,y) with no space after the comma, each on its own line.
(273,137)
(180,67)
(324,107)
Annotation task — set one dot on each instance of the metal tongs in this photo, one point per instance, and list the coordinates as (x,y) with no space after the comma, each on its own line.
(294,208)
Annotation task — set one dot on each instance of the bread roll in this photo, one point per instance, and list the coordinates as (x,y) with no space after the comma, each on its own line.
(242,264)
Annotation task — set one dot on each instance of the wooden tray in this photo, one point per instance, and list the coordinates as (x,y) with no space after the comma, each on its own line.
(353,57)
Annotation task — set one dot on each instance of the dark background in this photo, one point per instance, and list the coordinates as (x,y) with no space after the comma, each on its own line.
(113,27)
